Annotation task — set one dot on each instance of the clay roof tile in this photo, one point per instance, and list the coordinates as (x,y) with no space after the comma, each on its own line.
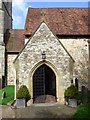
(61,21)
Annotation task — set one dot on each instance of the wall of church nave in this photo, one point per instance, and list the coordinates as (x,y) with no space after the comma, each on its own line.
(10,69)
(78,48)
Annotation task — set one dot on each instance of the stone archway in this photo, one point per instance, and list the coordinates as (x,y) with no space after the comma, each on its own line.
(44,85)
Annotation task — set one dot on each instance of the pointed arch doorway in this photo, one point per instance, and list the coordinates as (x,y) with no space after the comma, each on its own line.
(44,85)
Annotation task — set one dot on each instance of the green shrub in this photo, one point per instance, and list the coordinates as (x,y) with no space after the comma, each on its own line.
(9,91)
(23,93)
(71,92)
(82,112)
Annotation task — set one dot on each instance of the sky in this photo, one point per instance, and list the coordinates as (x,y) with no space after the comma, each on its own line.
(19,11)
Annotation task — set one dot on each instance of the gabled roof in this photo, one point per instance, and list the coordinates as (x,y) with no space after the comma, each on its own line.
(62,21)
(15,41)
(33,36)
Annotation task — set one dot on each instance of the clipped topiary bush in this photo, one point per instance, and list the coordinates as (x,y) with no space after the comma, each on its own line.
(23,93)
(71,92)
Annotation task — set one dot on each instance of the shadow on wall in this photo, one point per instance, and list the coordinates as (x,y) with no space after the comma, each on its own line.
(84,93)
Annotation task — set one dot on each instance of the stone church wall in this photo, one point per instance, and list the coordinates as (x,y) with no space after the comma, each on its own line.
(5,23)
(78,48)
(44,40)
(2,52)
(10,69)
(7,7)
(2,47)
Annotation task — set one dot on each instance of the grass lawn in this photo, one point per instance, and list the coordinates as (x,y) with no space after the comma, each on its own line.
(83,112)
(9,91)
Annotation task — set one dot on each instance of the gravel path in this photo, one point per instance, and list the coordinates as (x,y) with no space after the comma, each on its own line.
(38,111)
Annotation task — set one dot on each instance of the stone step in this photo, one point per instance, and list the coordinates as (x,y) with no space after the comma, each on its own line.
(45,99)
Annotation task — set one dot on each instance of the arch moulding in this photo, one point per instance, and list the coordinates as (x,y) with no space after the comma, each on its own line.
(31,73)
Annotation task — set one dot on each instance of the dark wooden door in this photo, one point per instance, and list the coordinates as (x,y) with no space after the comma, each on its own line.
(44,84)
(39,82)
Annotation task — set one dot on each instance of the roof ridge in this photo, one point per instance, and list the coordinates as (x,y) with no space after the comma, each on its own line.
(17,29)
(58,8)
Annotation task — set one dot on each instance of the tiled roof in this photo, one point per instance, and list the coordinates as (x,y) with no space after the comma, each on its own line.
(15,41)
(62,21)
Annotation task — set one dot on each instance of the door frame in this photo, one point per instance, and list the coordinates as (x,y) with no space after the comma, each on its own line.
(32,71)
(39,90)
